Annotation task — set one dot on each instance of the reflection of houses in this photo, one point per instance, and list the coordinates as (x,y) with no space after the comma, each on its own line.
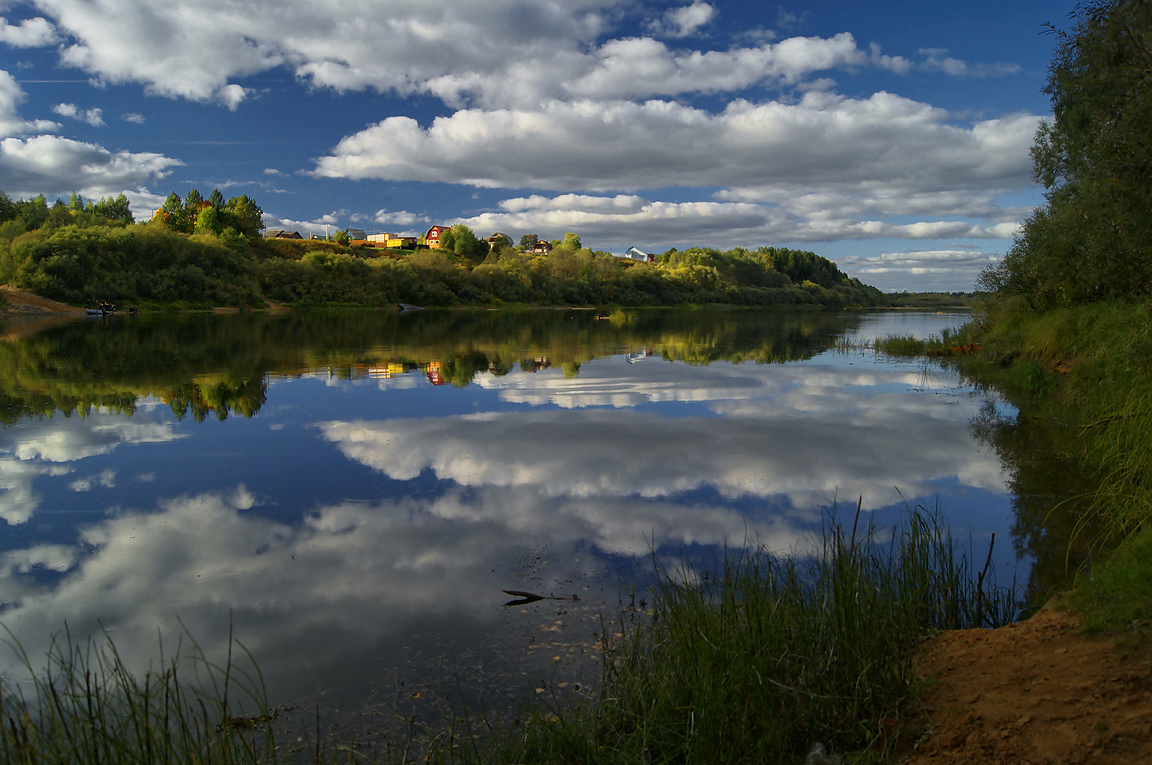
(432,238)
(535,364)
(278,233)
(432,372)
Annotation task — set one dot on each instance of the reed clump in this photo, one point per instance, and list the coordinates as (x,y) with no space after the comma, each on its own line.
(86,706)
(769,654)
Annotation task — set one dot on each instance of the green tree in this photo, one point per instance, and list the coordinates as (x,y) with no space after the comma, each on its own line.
(208,221)
(172,214)
(246,216)
(528,242)
(1093,239)
(571,240)
(117,210)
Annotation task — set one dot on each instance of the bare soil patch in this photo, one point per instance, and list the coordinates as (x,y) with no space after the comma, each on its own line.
(1039,691)
(14,302)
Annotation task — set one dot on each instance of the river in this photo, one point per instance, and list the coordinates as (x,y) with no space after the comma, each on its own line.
(352,494)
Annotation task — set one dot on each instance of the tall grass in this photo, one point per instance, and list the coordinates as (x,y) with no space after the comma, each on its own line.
(770,654)
(86,706)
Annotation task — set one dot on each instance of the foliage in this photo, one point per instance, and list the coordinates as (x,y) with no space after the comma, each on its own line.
(463,242)
(201,252)
(241,214)
(1093,239)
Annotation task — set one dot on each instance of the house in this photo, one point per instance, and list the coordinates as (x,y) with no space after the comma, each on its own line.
(432,238)
(542,246)
(635,253)
(276,233)
(498,238)
(397,242)
(355,234)
(379,238)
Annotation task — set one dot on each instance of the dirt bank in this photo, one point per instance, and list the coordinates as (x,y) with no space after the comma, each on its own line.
(1035,692)
(14,302)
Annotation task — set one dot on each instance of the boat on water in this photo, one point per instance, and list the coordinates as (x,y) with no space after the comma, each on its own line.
(407,307)
(104,309)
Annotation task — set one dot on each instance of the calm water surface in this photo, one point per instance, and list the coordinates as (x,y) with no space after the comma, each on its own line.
(352,493)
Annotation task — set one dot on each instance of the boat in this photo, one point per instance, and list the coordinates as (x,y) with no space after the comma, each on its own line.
(104,309)
(407,307)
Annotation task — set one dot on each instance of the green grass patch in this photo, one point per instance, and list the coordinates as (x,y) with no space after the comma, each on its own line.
(1116,595)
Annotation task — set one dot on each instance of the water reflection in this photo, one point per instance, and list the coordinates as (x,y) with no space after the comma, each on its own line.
(355,491)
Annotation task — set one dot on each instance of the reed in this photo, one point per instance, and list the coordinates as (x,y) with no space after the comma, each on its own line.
(84,705)
(769,654)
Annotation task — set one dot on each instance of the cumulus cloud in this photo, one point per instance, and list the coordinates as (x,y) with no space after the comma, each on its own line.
(57,166)
(823,168)
(952,270)
(29,33)
(767,151)
(11,96)
(685,20)
(199,50)
(94,116)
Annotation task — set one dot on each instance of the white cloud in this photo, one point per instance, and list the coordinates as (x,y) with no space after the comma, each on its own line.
(770,150)
(685,20)
(11,96)
(952,270)
(94,116)
(31,33)
(495,54)
(55,166)
(134,117)
(52,165)
(826,167)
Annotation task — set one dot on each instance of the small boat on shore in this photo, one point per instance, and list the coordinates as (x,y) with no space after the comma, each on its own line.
(406,307)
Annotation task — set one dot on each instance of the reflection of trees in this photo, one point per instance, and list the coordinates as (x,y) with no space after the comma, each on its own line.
(201,363)
(244,398)
(1052,493)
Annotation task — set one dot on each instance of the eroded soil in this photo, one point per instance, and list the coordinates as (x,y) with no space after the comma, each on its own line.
(1039,691)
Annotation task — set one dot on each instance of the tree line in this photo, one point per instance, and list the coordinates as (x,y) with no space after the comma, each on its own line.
(198,252)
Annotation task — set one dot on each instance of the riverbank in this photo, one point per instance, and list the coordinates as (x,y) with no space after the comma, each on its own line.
(1037,691)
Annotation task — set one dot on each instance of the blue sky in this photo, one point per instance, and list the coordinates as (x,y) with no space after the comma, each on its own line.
(891,137)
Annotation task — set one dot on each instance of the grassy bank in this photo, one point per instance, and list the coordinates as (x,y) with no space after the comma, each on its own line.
(754,659)
(1086,370)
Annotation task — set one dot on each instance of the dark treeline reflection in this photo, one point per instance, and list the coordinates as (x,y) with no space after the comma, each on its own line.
(204,365)
(1052,495)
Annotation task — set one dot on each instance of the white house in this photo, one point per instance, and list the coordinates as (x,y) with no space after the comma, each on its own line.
(635,253)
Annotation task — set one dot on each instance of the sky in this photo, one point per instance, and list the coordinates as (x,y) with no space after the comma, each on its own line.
(891,137)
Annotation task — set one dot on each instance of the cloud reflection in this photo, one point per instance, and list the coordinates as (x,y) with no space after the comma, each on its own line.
(804,433)
(53,447)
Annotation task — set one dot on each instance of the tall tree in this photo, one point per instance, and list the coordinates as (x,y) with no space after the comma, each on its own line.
(1093,239)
